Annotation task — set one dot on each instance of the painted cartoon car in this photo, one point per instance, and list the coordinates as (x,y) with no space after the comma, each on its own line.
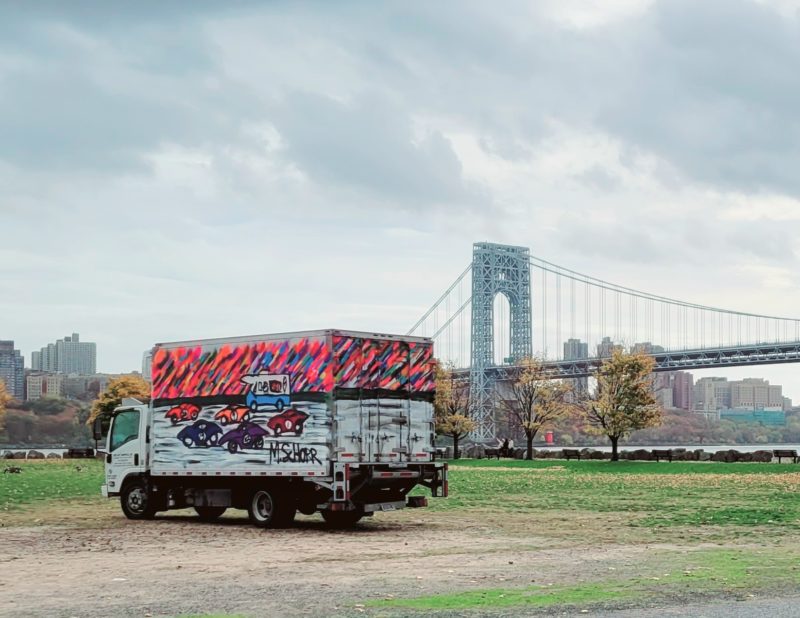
(232,414)
(246,435)
(289,421)
(183,412)
(200,434)
(268,389)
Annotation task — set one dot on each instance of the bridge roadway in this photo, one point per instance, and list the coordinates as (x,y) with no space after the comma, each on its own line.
(675,360)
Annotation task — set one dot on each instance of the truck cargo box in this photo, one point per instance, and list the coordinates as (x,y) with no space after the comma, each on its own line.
(291,403)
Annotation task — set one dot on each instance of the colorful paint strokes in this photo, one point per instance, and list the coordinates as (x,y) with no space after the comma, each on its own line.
(206,372)
(266,373)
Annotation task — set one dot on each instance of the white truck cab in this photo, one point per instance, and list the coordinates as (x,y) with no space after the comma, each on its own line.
(126,444)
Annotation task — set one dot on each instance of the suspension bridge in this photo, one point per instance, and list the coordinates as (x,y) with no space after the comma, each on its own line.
(483,325)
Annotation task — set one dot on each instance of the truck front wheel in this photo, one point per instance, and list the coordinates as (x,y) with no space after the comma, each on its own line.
(136,500)
(266,510)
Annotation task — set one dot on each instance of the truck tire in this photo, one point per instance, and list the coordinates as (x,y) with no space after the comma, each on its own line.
(210,513)
(268,510)
(342,519)
(136,500)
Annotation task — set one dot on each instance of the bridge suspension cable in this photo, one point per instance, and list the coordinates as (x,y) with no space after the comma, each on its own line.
(639,318)
(575,315)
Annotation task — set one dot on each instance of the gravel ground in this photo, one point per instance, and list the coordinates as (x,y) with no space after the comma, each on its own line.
(177,565)
(785,607)
(90,561)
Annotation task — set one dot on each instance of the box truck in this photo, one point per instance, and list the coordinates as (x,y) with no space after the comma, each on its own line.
(336,422)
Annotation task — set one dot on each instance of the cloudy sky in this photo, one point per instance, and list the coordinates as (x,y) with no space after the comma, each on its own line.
(174,170)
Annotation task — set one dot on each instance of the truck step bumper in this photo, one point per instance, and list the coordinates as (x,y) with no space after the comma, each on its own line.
(384,506)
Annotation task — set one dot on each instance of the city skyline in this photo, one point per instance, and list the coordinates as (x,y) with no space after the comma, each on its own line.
(574,348)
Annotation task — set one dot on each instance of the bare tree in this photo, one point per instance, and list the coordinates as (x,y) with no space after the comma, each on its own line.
(623,399)
(452,407)
(537,400)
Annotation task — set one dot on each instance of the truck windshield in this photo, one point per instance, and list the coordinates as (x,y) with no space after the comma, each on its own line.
(125,428)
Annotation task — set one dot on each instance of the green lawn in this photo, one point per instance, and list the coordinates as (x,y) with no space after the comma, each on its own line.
(647,493)
(45,480)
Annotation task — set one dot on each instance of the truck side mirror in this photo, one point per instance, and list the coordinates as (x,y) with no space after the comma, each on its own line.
(97,429)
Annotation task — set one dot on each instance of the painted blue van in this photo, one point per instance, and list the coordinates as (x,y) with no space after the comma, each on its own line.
(268,389)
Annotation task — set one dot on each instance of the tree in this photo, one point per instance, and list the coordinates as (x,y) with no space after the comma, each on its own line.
(118,388)
(623,399)
(537,400)
(452,407)
(5,398)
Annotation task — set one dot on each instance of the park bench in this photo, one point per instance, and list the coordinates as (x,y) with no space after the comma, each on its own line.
(658,455)
(79,453)
(570,453)
(790,453)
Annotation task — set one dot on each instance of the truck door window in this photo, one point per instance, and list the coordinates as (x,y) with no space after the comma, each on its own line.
(125,429)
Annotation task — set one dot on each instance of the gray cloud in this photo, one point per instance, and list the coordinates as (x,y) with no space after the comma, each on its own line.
(153,152)
(715,94)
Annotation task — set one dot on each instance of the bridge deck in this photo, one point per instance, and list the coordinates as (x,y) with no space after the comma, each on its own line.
(761,354)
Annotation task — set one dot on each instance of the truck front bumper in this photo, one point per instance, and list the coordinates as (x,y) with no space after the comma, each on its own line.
(104,490)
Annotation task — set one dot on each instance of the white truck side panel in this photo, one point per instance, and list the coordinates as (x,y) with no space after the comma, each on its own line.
(384,430)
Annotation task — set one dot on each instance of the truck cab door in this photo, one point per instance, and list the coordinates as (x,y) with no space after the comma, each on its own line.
(127,446)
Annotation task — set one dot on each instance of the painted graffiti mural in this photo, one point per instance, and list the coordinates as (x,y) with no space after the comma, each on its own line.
(195,372)
(265,401)
(383,364)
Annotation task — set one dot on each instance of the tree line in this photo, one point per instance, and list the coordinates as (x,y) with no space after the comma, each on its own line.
(621,401)
(59,421)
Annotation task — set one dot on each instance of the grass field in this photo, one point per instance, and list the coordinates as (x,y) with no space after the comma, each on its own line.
(646,493)
(710,528)
(49,480)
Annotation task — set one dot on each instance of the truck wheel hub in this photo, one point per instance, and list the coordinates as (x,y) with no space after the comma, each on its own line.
(137,499)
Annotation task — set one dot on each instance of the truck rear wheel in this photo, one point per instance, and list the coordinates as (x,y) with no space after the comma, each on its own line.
(342,519)
(267,510)
(210,513)
(136,500)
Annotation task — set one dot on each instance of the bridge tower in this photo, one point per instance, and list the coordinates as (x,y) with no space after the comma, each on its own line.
(496,269)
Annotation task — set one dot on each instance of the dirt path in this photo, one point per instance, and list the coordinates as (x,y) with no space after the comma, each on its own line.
(178,565)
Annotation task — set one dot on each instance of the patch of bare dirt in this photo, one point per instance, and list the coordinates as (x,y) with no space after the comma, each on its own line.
(104,565)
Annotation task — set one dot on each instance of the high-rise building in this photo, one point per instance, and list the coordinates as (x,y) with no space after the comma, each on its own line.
(662,389)
(147,365)
(575,349)
(67,355)
(12,369)
(712,394)
(755,394)
(44,385)
(682,389)
(606,347)
(647,347)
